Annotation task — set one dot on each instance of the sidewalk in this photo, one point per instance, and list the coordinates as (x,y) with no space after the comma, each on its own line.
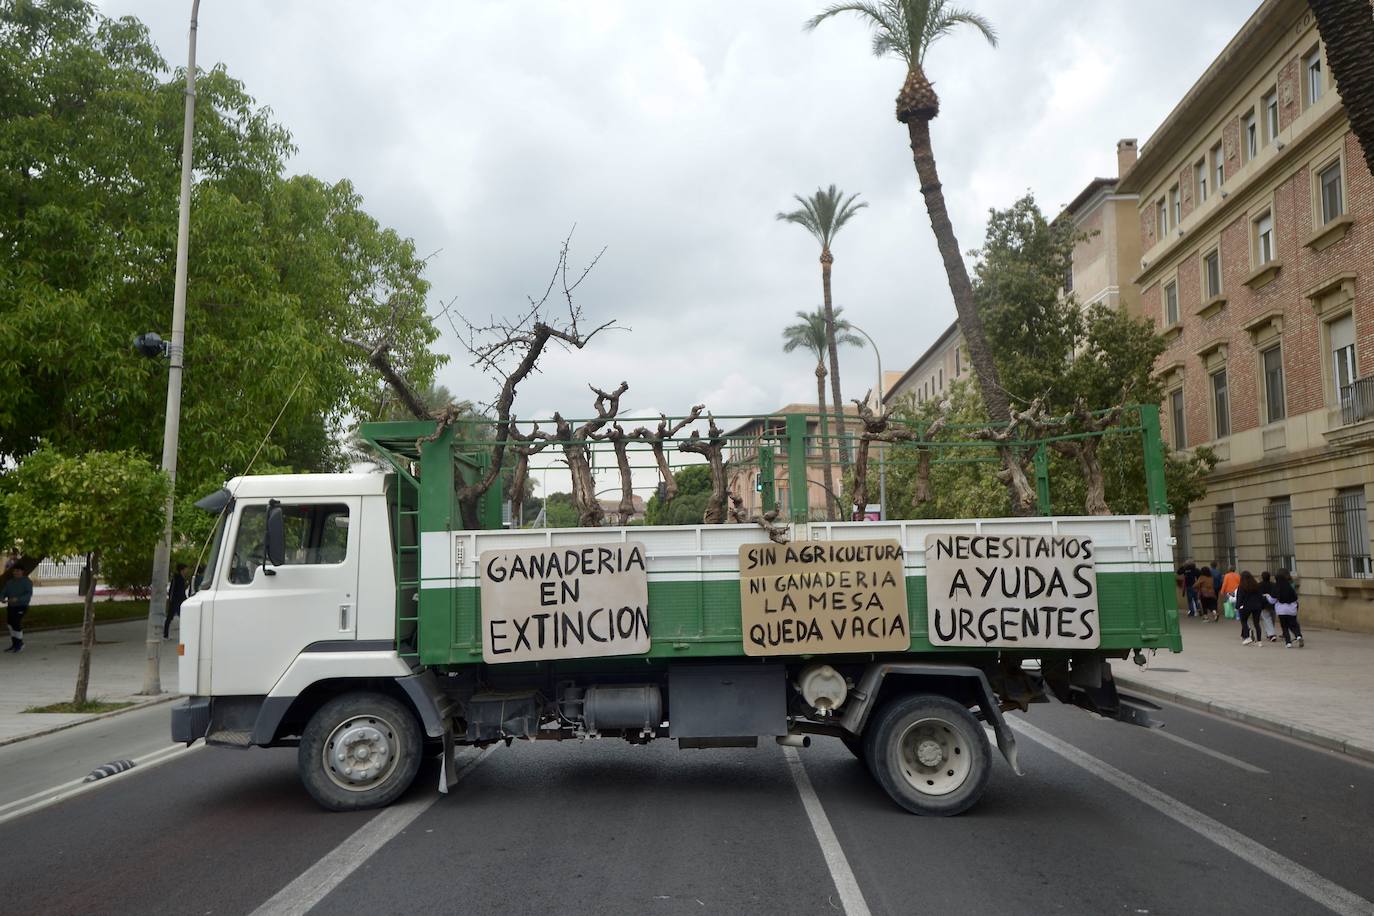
(45,672)
(1318,694)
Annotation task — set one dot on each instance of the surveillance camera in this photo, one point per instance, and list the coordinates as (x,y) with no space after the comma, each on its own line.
(150,345)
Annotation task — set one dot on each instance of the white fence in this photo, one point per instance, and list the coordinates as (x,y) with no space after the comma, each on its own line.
(59,569)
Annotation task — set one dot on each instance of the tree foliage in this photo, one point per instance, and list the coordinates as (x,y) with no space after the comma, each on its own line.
(688,507)
(1047,346)
(280,266)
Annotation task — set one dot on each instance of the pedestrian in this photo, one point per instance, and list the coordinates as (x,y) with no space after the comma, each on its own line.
(18,592)
(1267,612)
(1285,602)
(1249,601)
(1229,583)
(1206,594)
(1189,573)
(176,594)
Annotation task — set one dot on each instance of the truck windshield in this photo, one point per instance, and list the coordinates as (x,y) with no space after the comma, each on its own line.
(205,575)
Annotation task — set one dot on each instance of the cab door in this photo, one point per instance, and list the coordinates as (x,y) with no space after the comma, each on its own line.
(265,615)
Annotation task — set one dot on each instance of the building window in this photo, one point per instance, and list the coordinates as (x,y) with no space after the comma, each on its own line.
(1221,404)
(1200,180)
(1329,184)
(1224,535)
(1218,166)
(1176,418)
(1273,384)
(1211,273)
(957,368)
(1312,67)
(1270,105)
(1161,220)
(1176,205)
(1350,534)
(1279,552)
(1170,304)
(942,379)
(1356,400)
(1264,239)
(1068,276)
(1183,537)
(1249,131)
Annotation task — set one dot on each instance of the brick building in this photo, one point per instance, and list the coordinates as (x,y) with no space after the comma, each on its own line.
(742,453)
(1254,214)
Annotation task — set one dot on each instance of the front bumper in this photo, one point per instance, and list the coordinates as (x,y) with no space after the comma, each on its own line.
(191,720)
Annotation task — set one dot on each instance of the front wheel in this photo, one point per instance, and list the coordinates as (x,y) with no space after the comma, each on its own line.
(359,750)
(929,754)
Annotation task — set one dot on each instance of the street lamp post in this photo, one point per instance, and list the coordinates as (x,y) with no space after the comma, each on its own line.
(162,559)
(882,452)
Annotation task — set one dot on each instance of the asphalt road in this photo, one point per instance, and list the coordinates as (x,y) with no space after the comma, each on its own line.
(1109,818)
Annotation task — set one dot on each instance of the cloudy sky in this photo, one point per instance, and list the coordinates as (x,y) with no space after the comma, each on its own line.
(671,135)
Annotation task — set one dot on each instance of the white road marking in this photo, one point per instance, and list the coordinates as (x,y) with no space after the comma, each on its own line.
(1225,758)
(39,800)
(1301,879)
(851,898)
(315,883)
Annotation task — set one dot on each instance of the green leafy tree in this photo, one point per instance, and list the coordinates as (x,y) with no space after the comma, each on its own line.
(906,29)
(689,506)
(106,506)
(560,511)
(809,333)
(824,214)
(281,268)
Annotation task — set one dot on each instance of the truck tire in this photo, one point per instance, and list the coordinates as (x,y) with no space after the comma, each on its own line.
(359,750)
(929,754)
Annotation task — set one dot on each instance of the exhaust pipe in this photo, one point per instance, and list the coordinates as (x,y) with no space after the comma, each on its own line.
(794,740)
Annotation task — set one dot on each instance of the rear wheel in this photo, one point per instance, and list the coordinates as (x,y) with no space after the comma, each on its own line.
(359,750)
(929,754)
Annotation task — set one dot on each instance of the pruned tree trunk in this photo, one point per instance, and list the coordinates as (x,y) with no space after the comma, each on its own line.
(713,449)
(83,668)
(1085,452)
(877,428)
(827,463)
(1347,30)
(836,399)
(618,438)
(576,452)
(655,440)
(1023,425)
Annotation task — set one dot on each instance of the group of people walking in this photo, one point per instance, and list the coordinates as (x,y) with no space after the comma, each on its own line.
(1256,602)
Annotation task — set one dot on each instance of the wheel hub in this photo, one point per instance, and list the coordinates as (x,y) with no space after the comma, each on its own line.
(929,753)
(359,753)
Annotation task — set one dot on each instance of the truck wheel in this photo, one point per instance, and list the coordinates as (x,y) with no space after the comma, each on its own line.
(359,750)
(929,754)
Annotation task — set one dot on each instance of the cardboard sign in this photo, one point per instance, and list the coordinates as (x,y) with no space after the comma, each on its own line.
(1013,591)
(823,596)
(564,602)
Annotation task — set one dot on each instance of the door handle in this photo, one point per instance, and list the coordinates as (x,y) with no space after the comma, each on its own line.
(343,615)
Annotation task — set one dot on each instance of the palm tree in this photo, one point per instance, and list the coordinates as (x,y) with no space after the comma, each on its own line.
(809,333)
(906,29)
(823,214)
(1347,30)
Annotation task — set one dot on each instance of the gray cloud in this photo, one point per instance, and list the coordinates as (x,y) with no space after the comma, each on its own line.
(485,130)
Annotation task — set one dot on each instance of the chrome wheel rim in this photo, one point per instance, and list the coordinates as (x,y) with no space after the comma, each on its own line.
(935,756)
(361,753)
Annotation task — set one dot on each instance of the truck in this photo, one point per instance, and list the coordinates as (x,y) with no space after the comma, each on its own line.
(355,618)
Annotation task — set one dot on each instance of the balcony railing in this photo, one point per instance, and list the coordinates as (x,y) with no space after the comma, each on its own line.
(1357,401)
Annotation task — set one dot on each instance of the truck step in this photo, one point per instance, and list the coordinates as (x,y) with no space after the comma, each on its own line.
(231,737)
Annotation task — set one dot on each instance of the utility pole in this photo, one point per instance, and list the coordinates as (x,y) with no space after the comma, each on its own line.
(882,448)
(162,559)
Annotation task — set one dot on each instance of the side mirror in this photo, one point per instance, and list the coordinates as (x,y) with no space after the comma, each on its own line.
(274,551)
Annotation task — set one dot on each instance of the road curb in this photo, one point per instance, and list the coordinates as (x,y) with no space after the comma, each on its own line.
(1328,740)
(141,704)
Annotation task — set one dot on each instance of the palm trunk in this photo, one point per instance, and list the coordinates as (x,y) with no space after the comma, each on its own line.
(83,669)
(836,399)
(1347,29)
(827,464)
(970,324)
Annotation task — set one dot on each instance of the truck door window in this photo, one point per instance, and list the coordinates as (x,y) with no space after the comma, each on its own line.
(316,534)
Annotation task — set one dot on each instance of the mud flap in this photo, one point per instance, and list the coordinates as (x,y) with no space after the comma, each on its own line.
(448,768)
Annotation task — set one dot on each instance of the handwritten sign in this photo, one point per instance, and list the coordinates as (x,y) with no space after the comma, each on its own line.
(564,602)
(1023,591)
(823,596)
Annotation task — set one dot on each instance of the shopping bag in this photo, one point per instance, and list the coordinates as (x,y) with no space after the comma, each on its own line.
(1230,607)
